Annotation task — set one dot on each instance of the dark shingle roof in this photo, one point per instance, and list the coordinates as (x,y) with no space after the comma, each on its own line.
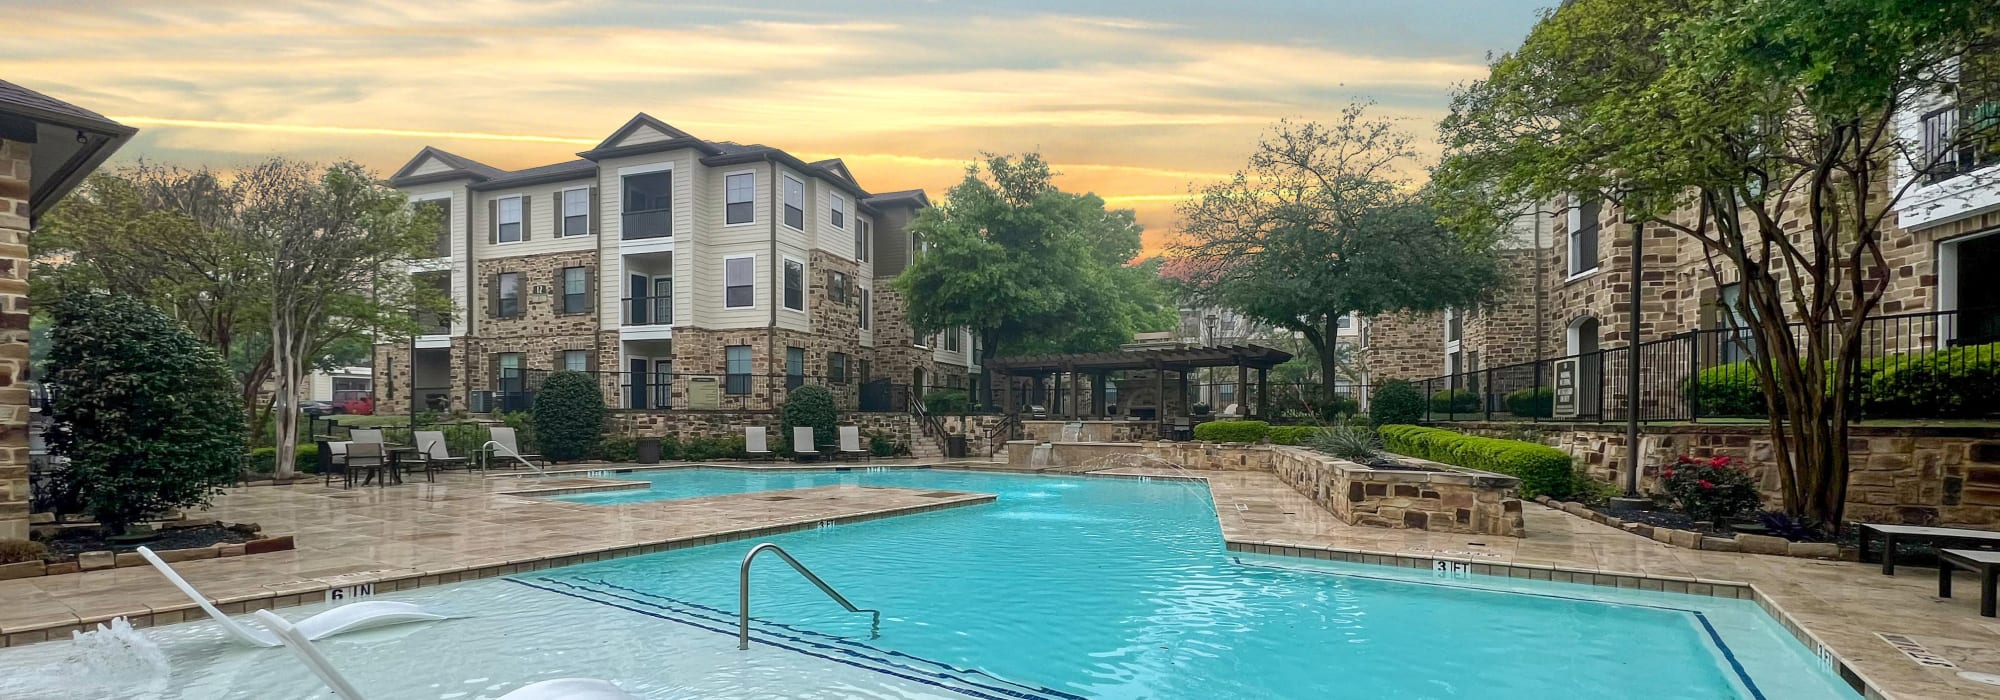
(14,98)
(569,170)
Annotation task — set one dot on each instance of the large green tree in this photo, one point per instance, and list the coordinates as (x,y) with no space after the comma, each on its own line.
(1030,268)
(1765,131)
(1323,222)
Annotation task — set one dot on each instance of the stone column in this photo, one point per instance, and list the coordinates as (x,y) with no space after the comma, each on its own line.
(13,339)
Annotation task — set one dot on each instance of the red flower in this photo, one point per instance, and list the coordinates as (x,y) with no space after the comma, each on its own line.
(1670,473)
(1705,484)
(1686,459)
(1720,461)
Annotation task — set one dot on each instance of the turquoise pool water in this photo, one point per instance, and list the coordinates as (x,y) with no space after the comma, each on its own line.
(1119,588)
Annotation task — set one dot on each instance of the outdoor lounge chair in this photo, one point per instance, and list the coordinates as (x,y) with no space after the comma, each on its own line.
(346,618)
(850,441)
(754,442)
(435,452)
(301,645)
(333,460)
(508,449)
(802,442)
(369,459)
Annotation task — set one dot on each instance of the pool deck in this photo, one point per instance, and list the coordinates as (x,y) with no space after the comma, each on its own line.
(1844,605)
(467,526)
(462,527)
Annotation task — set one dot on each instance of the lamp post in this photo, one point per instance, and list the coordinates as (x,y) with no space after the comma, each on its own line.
(1208,374)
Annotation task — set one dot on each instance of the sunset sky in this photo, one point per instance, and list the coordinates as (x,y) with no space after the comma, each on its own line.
(1133,100)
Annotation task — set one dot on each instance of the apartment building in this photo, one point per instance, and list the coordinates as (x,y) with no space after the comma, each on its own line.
(1573,269)
(683,273)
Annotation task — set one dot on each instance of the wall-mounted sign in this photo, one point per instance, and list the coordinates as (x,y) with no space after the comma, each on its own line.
(1568,403)
(704,393)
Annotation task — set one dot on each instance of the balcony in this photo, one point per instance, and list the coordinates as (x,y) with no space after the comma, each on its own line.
(646,225)
(1949,151)
(648,317)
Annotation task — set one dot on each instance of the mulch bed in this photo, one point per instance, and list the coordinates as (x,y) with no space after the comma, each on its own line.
(1665,518)
(68,543)
(1393,465)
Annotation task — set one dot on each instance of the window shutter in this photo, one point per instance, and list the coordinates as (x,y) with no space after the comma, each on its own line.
(493,296)
(595,210)
(589,287)
(492,221)
(525,218)
(557,230)
(590,361)
(560,293)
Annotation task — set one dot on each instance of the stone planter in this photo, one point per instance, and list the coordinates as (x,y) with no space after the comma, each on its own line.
(1739,542)
(94,561)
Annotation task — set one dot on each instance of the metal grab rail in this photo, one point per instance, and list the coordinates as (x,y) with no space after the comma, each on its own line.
(743,594)
(494,447)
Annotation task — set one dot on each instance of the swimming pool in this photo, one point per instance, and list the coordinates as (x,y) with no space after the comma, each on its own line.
(1065,587)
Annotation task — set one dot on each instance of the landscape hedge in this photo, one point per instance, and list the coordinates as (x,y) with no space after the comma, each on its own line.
(1232,431)
(1962,382)
(1531,403)
(1543,470)
(1292,434)
(1396,402)
(1455,401)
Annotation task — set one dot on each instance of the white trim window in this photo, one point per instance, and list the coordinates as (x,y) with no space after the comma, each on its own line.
(575,212)
(867,308)
(739,282)
(739,201)
(863,231)
(576,360)
(510,219)
(795,285)
(837,210)
(795,203)
(1584,228)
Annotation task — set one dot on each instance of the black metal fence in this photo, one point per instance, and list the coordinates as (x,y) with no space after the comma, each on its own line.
(512,390)
(1709,374)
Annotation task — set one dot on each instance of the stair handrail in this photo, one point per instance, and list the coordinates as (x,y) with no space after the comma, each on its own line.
(743,593)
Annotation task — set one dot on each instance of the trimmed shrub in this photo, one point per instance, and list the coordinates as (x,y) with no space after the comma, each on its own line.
(810,406)
(707,448)
(882,445)
(17,551)
(619,448)
(947,402)
(147,419)
(263,460)
(1292,434)
(1962,382)
(1543,470)
(569,416)
(1728,390)
(1531,403)
(1396,402)
(1455,401)
(1232,431)
(1359,444)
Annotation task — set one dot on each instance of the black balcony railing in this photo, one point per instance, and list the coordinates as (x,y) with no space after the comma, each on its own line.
(1960,139)
(640,225)
(649,311)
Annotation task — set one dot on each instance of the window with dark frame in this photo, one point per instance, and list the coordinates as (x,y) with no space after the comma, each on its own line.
(510,295)
(740,198)
(510,220)
(1583,237)
(951,341)
(575,290)
(836,367)
(576,360)
(837,211)
(867,309)
(795,367)
(736,359)
(576,212)
(739,280)
(864,244)
(836,288)
(795,285)
(649,205)
(795,203)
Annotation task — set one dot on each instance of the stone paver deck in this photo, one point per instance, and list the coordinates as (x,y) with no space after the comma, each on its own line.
(1842,604)
(464,526)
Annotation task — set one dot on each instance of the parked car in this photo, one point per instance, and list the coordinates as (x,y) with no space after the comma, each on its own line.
(318,408)
(364,406)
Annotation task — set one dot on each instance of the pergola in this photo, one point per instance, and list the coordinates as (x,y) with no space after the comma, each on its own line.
(1100,365)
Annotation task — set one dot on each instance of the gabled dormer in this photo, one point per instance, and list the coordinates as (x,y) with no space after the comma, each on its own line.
(835,167)
(645,134)
(433,165)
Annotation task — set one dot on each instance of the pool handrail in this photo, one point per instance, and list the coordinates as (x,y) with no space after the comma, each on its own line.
(743,594)
(494,447)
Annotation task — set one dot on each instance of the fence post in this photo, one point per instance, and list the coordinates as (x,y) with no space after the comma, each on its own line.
(1486,393)
(1535,416)
(1694,376)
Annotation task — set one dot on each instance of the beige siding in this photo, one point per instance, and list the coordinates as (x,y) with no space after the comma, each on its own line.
(644,135)
(459,212)
(429,166)
(541,222)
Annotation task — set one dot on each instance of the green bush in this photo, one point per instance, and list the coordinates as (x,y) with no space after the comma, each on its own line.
(148,419)
(263,460)
(1455,401)
(1396,402)
(1543,470)
(881,445)
(569,416)
(1728,390)
(1357,443)
(1292,434)
(13,551)
(810,406)
(619,448)
(1962,382)
(707,448)
(948,402)
(1711,489)
(1531,403)
(1232,431)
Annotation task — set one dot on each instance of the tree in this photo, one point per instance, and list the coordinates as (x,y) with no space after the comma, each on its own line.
(811,407)
(569,416)
(1765,131)
(145,415)
(1029,268)
(1320,224)
(334,240)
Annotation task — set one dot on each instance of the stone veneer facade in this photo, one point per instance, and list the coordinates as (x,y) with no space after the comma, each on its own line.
(1918,476)
(14,415)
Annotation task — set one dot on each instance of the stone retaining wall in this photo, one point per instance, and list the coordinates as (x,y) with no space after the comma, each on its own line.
(1909,475)
(1447,500)
(1093,430)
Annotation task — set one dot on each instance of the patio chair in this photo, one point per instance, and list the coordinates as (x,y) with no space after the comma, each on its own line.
(436,454)
(301,645)
(333,460)
(1181,429)
(367,457)
(802,441)
(850,441)
(373,435)
(346,618)
(507,447)
(754,442)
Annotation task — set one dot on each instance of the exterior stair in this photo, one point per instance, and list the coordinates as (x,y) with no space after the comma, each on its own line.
(926,447)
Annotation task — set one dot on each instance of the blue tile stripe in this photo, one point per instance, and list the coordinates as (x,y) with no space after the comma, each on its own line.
(1714,637)
(817,650)
(729,617)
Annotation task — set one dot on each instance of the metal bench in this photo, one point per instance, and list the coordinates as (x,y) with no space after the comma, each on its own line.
(1933,536)
(1982,563)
